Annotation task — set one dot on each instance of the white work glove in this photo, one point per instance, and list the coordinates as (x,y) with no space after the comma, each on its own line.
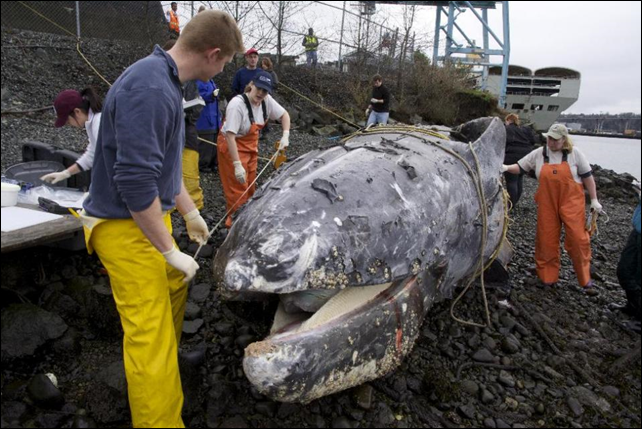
(595,205)
(215,92)
(504,168)
(182,262)
(285,140)
(239,172)
(196,227)
(374,101)
(54,178)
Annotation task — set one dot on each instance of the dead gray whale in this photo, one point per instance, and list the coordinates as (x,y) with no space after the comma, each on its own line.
(358,242)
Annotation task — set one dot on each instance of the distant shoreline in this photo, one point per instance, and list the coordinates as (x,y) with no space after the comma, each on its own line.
(614,136)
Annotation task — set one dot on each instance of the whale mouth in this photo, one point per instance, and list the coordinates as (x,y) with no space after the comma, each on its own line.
(291,322)
(291,317)
(356,335)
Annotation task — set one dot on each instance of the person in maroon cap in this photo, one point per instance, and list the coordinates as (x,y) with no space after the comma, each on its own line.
(246,74)
(79,110)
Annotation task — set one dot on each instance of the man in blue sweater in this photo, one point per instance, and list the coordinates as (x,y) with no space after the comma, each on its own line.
(246,74)
(136,182)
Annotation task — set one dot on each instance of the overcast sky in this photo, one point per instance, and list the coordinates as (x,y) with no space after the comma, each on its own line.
(600,40)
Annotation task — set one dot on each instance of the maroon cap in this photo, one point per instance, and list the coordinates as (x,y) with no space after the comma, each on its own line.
(251,51)
(64,105)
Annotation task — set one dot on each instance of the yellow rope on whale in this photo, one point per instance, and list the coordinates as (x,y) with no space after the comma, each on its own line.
(483,207)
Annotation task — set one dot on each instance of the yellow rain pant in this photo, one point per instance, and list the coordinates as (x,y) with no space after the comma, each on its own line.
(191,177)
(150,296)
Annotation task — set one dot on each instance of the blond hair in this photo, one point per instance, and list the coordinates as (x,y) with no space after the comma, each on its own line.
(568,144)
(212,29)
(512,118)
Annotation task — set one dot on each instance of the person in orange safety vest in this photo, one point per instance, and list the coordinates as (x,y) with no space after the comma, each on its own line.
(238,141)
(563,173)
(172,19)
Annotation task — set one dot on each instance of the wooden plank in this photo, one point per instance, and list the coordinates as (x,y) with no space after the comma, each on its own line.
(38,235)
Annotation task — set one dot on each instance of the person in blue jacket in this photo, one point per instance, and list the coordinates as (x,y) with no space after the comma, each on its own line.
(628,270)
(208,124)
(246,74)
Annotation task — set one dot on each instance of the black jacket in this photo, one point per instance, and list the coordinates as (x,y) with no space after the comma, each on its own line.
(381,93)
(520,141)
(190,92)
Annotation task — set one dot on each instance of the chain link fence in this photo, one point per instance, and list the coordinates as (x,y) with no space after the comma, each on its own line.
(348,33)
(135,21)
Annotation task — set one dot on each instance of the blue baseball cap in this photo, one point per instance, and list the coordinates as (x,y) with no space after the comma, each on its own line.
(263,80)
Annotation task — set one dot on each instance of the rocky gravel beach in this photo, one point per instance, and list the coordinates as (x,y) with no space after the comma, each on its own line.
(553,357)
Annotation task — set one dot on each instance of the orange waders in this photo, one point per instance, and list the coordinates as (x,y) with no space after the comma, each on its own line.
(248,148)
(560,200)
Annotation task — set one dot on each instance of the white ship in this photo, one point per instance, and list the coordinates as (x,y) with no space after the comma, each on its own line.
(538,97)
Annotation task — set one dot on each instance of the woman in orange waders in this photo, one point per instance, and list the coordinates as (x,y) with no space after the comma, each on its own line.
(238,141)
(561,170)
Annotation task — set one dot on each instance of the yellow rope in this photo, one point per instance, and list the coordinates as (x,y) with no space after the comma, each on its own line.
(318,105)
(390,129)
(47,19)
(482,200)
(216,145)
(90,64)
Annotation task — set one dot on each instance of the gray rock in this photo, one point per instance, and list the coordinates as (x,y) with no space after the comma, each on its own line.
(206,252)
(341,422)
(102,311)
(385,417)
(484,356)
(611,391)
(12,412)
(107,399)
(511,345)
(506,379)
(224,328)
(44,394)
(467,411)
(589,399)
(575,406)
(245,340)
(267,409)
(326,131)
(454,331)
(69,344)
(490,423)
(69,272)
(490,344)
(474,341)
(192,327)
(487,397)
(82,421)
(501,424)
(288,410)
(192,311)
(470,387)
(508,322)
(363,396)
(26,327)
(200,292)
(235,422)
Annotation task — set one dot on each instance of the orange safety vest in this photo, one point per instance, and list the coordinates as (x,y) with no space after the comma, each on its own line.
(173,22)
